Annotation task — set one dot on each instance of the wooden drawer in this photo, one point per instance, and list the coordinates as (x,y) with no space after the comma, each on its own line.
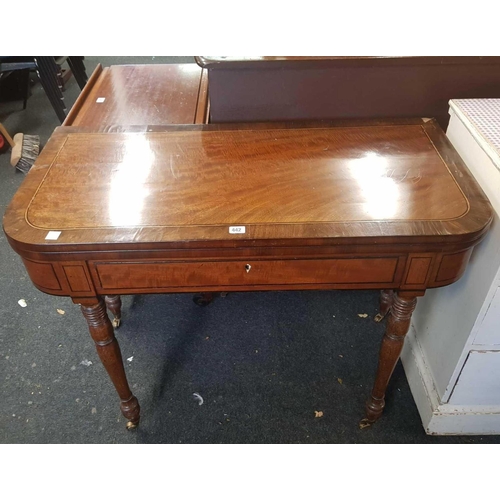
(166,275)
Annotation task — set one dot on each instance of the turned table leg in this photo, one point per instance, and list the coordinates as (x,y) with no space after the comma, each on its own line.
(108,349)
(386,300)
(398,324)
(114,304)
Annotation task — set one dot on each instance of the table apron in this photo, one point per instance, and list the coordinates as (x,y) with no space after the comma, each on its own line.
(416,271)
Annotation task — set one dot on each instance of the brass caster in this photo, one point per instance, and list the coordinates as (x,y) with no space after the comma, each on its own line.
(379,317)
(116,322)
(365,423)
(131,425)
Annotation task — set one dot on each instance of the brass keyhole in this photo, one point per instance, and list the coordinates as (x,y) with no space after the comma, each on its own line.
(248,267)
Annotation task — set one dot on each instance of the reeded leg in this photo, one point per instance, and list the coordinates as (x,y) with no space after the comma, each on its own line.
(109,351)
(386,300)
(398,324)
(114,304)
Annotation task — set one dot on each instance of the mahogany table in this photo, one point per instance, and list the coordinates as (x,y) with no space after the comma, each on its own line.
(344,205)
(141,94)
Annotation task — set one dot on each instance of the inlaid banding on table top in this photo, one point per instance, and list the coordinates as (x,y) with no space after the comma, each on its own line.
(250,177)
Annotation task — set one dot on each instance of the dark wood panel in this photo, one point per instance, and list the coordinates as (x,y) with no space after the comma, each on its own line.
(245,62)
(260,88)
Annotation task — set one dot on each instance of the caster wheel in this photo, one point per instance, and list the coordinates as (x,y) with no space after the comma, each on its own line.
(365,423)
(203,299)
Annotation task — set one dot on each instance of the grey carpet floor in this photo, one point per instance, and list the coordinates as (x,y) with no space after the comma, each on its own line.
(264,363)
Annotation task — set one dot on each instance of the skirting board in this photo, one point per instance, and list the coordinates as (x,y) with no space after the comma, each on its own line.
(440,418)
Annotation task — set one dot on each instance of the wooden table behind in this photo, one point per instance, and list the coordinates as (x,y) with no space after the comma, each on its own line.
(141,95)
(261,88)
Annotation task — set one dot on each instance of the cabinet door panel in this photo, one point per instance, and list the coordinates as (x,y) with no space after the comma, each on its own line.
(489,330)
(479,381)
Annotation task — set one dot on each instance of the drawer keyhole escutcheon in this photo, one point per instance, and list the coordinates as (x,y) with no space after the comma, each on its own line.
(248,267)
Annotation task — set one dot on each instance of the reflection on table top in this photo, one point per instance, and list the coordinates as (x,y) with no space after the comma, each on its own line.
(151,94)
(280,182)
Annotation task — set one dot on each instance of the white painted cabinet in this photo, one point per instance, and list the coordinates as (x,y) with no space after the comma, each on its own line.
(487,333)
(452,355)
(479,380)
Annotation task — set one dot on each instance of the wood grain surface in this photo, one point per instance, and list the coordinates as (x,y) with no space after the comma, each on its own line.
(330,182)
(150,94)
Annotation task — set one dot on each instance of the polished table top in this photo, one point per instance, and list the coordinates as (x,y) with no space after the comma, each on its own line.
(390,180)
(150,94)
